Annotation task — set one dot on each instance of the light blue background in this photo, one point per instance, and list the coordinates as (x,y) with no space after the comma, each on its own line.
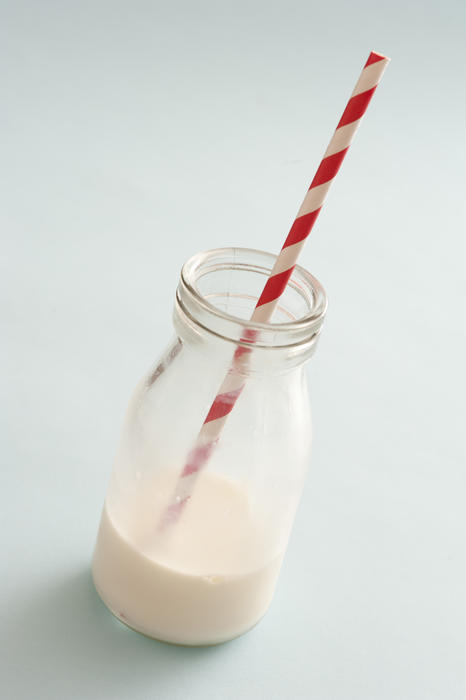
(137,133)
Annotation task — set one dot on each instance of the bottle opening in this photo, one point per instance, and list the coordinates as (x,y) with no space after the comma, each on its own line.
(219,290)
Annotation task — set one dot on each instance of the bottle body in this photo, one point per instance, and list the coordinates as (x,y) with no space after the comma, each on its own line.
(209,576)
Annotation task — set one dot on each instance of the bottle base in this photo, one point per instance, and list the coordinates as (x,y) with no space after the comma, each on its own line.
(166,640)
(172,605)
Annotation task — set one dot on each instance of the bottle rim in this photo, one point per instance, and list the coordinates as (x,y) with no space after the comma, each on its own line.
(231,327)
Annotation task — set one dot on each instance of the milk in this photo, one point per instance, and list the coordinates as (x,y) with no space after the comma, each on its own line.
(207,579)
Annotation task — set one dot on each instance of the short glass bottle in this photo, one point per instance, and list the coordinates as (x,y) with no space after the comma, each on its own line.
(210,575)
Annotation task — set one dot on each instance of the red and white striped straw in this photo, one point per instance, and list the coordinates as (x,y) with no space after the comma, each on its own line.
(233,383)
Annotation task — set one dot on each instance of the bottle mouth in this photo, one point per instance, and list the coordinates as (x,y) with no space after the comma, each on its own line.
(219,289)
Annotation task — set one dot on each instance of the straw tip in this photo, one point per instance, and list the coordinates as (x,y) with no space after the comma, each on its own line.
(374,57)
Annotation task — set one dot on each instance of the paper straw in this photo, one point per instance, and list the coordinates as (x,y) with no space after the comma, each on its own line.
(234,382)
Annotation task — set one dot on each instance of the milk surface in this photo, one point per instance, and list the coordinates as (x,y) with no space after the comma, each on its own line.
(206,579)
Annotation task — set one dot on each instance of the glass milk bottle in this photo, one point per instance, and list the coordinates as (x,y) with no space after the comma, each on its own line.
(208,574)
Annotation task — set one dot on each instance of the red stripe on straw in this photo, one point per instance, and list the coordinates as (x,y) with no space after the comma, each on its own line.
(328,168)
(197,457)
(248,336)
(222,405)
(356,107)
(240,351)
(374,58)
(301,228)
(274,286)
